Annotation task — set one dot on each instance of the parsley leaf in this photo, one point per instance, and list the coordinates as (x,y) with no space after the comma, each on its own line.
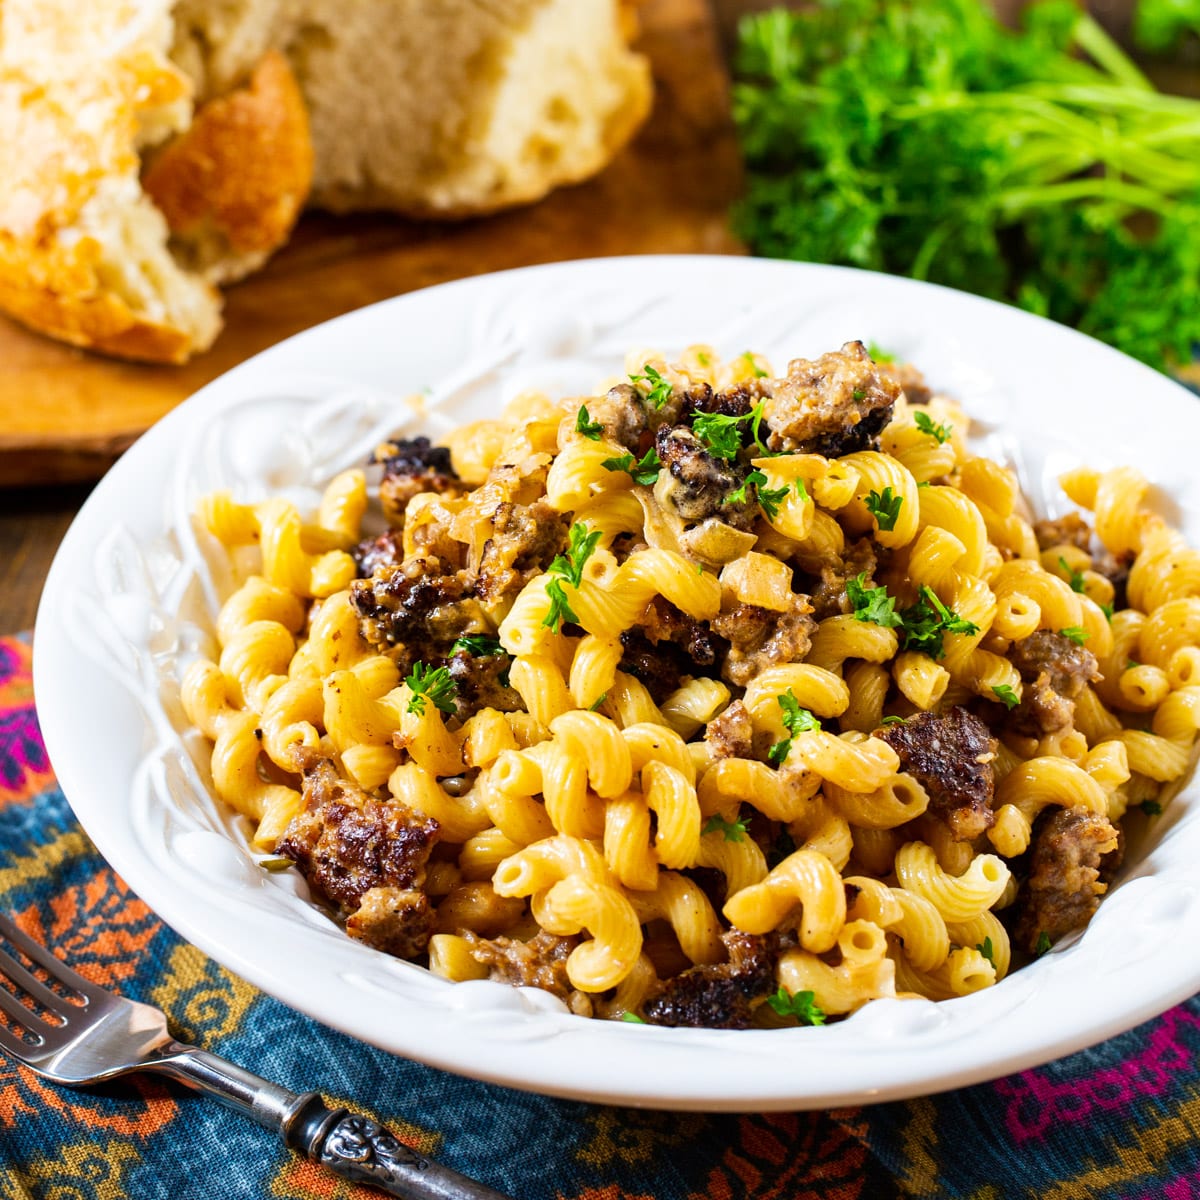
(927,622)
(633,1018)
(585,425)
(795,720)
(734,831)
(1074,578)
(879,354)
(569,567)
(884,508)
(769,499)
(1004,692)
(481,645)
(599,700)
(1151,808)
(738,495)
(720,435)
(659,391)
(926,424)
(872,604)
(432,682)
(1042,944)
(923,483)
(644,471)
(1107,610)
(1076,633)
(987,950)
(803,1006)
(893,720)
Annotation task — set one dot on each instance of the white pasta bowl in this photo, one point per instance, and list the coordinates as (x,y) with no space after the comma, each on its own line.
(131,600)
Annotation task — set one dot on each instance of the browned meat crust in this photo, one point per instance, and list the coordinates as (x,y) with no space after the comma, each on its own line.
(667,645)
(829,596)
(951,757)
(1055,671)
(698,486)
(387,550)
(412,466)
(736,401)
(1073,850)
(540,962)
(414,611)
(525,538)
(481,681)
(760,638)
(719,996)
(365,856)
(833,405)
(731,735)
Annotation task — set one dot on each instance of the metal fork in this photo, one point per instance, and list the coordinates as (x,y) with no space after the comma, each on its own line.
(79,1034)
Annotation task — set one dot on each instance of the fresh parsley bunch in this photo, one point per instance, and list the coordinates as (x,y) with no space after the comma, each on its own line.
(923,138)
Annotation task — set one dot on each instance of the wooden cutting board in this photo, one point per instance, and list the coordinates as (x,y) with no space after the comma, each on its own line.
(66,415)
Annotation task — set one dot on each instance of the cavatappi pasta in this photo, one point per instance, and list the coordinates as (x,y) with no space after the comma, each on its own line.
(720,698)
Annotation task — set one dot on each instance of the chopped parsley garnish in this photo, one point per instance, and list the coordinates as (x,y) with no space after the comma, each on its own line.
(734,831)
(879,354)
(1004,692)
(769,499)
(569,566)
(481,645)
(884,508)
(633,1018)
(803,1006)
(275,865)
(893,720)
(1076,633)
(703,359)
(872,603)
(859,395)
(1074,578)
(1107,610)
(659,391)
(738,495)
(721,435)
(1130,663)
(585,425)
(1151,808)
(432,682)
(748,356)
(928,621)
(986,950)
(644,471)
(923,483)
(599,700)
(796,720)
(1043,944)
(926,424)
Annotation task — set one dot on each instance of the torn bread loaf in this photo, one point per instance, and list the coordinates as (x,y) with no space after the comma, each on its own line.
(152,149)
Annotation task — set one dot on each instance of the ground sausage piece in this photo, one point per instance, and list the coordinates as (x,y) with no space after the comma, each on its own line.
(911,381)
(663,622)
(1072,850)
(761,638)
(736,401)
(415,610)
(364,855)
(412,466)
(718,996)
(667,645)
(951,757)
(829,597)
(658,666)
(698,485)
(525,538)
(622,412)
(1068,530)
(1055,670)
(480,681)
(387,550)
(834,405)
(540,962)
(731,735)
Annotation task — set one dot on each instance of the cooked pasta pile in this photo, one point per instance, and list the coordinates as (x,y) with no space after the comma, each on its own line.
(718,699)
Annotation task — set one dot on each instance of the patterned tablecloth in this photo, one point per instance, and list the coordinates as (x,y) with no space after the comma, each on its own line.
(1122,1120)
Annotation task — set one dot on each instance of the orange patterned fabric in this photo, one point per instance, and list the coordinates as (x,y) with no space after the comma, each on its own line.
(1119,1121)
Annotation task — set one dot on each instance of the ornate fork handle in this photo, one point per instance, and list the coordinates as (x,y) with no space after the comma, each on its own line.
(352,1145)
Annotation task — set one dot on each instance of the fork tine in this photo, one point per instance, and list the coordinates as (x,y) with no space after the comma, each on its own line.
(23,1016)
(53,965)
(26,981)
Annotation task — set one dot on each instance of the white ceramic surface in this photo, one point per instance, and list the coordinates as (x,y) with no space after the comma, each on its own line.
(130,599)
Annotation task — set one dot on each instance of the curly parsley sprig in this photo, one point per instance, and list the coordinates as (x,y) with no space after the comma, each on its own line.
(658,389)
(884,507)
(928,621)
(644,471)
(796,720)
(801,1005)
(568,568)
(584,424)
(432,683)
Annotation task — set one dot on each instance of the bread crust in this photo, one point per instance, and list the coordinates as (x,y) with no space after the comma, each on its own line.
(243,168)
